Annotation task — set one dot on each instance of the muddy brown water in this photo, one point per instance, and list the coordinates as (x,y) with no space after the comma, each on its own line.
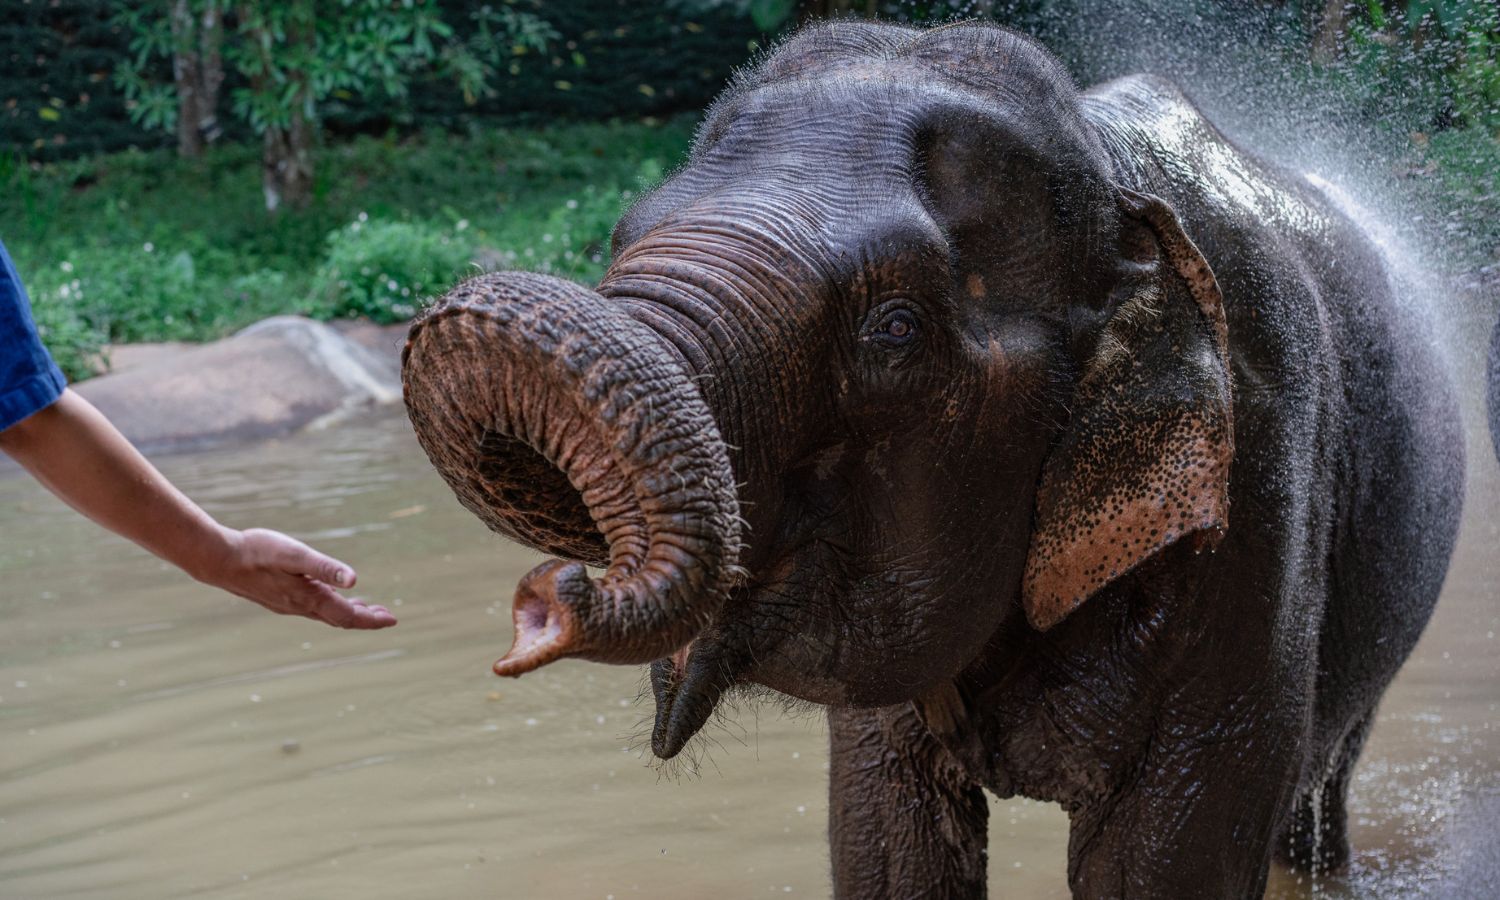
(160,740)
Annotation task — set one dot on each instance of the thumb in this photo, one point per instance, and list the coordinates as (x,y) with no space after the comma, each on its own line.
(304,560)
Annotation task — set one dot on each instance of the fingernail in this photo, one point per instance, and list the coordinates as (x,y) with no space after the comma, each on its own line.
(346,577)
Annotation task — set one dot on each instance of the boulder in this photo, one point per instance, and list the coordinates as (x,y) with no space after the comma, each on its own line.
(278,376)
(1494,390)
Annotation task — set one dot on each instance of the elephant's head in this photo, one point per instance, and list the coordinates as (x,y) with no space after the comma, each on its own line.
(893,362)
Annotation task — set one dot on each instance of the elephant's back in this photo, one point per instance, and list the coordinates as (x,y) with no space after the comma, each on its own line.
(1264,231)
(1328,352)
(1283,340)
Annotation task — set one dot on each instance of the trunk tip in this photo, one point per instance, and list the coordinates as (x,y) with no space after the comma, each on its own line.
(546,624)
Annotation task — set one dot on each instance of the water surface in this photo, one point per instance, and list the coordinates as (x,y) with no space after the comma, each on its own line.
(158,739)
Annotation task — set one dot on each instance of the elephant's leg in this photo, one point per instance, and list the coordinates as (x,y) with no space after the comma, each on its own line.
(904,821)
(1316,835)
(1196,819)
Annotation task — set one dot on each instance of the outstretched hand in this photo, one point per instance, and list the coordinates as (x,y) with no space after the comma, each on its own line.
(288,577)
(74,450)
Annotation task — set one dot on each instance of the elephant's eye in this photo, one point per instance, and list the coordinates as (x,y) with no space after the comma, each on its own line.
(896,328)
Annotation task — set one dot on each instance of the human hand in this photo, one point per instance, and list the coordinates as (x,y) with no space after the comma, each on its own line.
(74,450)
(288,577)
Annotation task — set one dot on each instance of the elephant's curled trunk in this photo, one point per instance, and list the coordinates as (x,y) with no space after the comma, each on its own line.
(570,427)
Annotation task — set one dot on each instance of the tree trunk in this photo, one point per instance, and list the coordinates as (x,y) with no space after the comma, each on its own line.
(1330,34)
(198,72)
(211,39)
(286,164)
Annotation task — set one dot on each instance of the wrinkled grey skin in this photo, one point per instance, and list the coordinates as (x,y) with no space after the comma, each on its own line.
(1005,496)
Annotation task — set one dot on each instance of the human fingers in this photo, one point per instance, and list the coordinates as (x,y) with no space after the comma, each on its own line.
(296,558)
(327,605)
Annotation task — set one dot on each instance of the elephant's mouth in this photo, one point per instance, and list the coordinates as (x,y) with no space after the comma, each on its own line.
(687,686)
(761,635)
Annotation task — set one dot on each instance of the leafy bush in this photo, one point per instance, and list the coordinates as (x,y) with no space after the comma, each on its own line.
(1437,62)
(570,236)
(75,344)
(266,292)
(101,294)
(134,293)
(383,270)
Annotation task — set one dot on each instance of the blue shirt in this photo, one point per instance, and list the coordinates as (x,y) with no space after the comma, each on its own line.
(29,380)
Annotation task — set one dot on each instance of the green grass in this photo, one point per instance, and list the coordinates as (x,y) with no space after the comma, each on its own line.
(143,246)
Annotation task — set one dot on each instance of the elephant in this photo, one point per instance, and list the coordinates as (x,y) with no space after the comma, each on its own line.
(1057,445)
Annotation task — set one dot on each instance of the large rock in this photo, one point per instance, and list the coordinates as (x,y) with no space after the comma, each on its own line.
(278,376)
(1494,390)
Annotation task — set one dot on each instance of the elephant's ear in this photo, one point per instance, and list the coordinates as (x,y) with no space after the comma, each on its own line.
(1145,458)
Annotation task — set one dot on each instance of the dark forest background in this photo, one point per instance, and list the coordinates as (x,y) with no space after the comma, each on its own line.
(174,169)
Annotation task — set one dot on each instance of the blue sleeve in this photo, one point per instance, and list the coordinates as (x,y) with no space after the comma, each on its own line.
(29,380)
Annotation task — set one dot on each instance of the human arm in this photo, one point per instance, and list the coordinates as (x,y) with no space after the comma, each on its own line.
(72,449)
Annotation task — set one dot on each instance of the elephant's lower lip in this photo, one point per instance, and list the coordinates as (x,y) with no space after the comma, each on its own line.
(679,660)
(687,687)
(688,684)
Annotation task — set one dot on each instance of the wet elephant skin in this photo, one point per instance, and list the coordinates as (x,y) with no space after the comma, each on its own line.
(1076,454)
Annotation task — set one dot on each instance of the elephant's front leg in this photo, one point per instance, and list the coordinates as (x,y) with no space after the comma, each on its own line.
(1196,820)
(904,821)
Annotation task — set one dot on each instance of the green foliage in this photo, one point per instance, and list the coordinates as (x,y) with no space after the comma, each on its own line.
(383,270)
(140,292)
(497,33)
(1477,78)
(294,54)
(610,58)
(151,102)
(1455,17)
(514,62)
(76,345)
(1442,56)
(291,55)
(1473,33)
(56,99)
(543,199)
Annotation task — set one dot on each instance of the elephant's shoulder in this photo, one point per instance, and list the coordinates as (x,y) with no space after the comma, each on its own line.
(1151,128)
(1161,142)
(1154,134)
(1146,113)
(1143,93)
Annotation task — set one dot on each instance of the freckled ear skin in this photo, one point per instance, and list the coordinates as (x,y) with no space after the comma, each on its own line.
(1145,459)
